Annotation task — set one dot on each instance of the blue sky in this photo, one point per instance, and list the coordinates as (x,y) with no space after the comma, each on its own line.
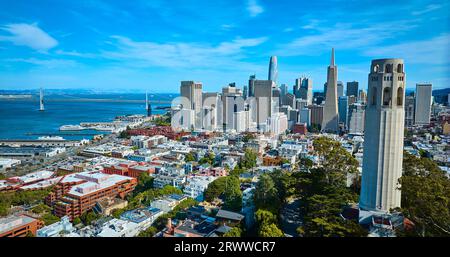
(154,44)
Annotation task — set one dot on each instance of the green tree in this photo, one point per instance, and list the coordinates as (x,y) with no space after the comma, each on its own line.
(189,157)
(76,221)
(270,230)
(265,216)
(425,196)
(335,161)
(168,190)
(228,189)
(49,219)
(266,194)
(233,194)
(234,232)
(88,217)
(150,232)
(145,182)
(249,159)
(208,158)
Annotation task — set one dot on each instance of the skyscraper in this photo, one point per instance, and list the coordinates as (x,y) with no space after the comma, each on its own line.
(330,110)
(409,110)
(356,113)
(192,91)
(148,107)
(273,69)
(251,86)
(316,115)
(306,90)
(41,100)
(352,88)
(245,92)
(296,87)
(340,89)
(232,102)
(284,89)
(343,110)
(423,104)
(263,95)
(383,136)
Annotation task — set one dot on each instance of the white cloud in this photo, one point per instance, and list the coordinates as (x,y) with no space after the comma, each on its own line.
(49,64)
(427,9)
(180,54)
(343,36)
(75,54)
(254,8)
(432,51)
(29,35)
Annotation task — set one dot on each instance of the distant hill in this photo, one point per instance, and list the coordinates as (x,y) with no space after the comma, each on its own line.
(441,95)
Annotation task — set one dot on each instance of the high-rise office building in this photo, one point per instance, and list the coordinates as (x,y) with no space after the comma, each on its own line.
(330,111)
(340,89)
(289,99)
(383,136)
(305,116)
(316,114)
(356,113)
(296,87)
(423,104)
(251,86)
(212,111)
(352,88)
(409,110)
(362,98)
(284,89)
(232,101)
(343,110)
(245,92)
(192,91)
(300,104)
(273,69)
(306,90)
(263,95)
(278,123)
(41,100)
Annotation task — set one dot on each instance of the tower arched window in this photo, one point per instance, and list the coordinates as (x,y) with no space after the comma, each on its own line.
(399,68)
(388,68)
(400,96)
(374,96)
(386,96)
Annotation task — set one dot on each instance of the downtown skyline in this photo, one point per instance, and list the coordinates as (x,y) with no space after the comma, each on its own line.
(153,46)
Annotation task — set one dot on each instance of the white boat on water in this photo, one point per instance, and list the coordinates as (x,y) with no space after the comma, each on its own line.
(71,127)
(51,138)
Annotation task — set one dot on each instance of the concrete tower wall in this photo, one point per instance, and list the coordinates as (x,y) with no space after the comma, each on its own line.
(383,137)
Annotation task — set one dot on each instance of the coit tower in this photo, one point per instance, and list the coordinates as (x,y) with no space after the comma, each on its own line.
(383,136)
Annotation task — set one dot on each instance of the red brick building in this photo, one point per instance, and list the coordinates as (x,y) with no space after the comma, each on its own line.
(78,193)
(19,225)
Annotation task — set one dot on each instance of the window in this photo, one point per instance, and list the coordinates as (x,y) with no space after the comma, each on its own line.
(376,68)
(388,68)
(400,96)
(374,96)
(400,68)
(386,96)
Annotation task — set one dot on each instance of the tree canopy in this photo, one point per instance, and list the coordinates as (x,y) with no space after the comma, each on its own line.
(425,196)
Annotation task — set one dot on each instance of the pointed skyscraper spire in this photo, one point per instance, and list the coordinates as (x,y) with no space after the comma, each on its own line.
(332,57)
